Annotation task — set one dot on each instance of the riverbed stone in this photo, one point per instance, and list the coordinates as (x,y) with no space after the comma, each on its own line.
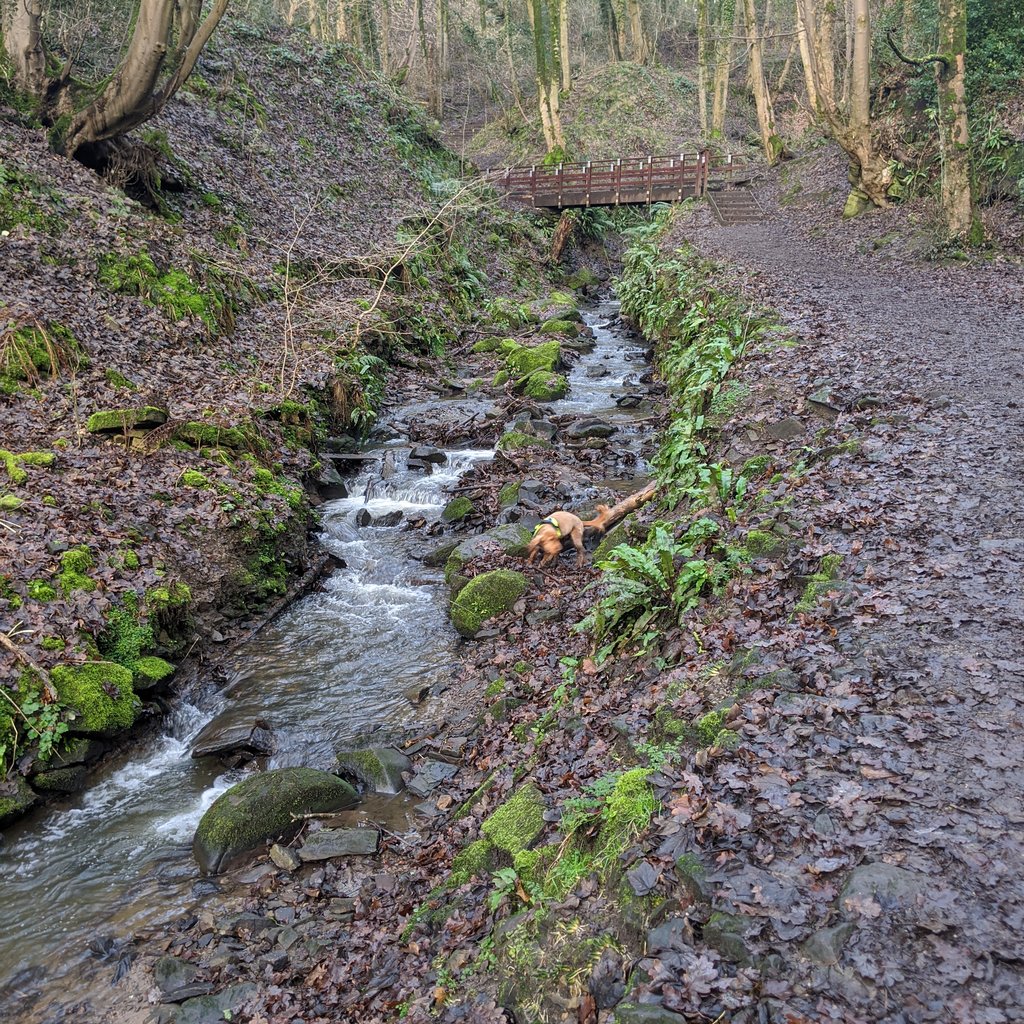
(176,980)
(339,842)
(826,946)
(510,538)
(889,884)
(262,808)
(16,799)
(214,1008)
(429,775)
(100,696)
(457,509)
(644,1013)
(61,780)
(484,597)
(524,360)
(516,440)
(378,768)
(284,857)
(428,453)
(727,934)
(543,386)
(78,750)
(225,737)
(151,673)
(591,426)
(437,556)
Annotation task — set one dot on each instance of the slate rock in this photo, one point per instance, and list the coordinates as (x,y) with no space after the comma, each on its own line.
(176,980)
(826,946)
(607,982)
(887,883)
(644,1013)
(339,842)
(223,737)
(377,768)
(785,430)
(726,933)
(284,857)
(430,775)
(428,453)
(215,1008)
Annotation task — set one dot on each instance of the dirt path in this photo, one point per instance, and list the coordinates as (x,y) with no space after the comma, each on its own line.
(907,758)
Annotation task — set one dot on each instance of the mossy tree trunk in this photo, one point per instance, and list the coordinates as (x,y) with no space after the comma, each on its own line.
(543,23)
(563,44)
(23,40)
(770,139)
(703,32)
(728,30)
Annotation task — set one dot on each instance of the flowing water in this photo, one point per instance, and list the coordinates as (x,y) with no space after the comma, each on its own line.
(334,665)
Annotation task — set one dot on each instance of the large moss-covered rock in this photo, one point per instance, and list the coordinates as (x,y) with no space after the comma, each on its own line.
(118,421)
(457,509)
(523,361)
(16,799)
(515,825)
(211,435)
(555,326)
(510,538)
(264,808)
(100,696)
(543,386)
(484,597)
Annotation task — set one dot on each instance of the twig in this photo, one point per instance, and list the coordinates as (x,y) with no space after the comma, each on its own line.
(48,690)
(918,62)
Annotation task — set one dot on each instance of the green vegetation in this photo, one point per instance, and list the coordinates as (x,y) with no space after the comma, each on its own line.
(820,583)
(517,823)
(484,597)
(522,361)
(457,509)
(31,351)
(74,567)
(514,440)
(97,695)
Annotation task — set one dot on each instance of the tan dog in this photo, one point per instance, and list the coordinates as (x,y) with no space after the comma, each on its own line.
(551,532)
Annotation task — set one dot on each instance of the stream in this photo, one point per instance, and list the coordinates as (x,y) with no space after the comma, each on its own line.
(116,859)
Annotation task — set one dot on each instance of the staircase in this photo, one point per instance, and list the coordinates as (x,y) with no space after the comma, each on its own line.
(735,206)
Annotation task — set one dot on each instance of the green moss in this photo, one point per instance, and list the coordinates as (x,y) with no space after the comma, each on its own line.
(74,566)
(125,637)
(558,327)
(495,688)
(118,380)
(209,435)
(523,361)
(10,503)
(485,345)
(627,812)
(484,597)
(475,859)
(583,278)
(18,803)
(821,582)
(727,739)
(501,378)
(542,386)
(15,464)
(708,727)
(99,694)
(9,594)
(267,483)
(193,478)
(122,420)
(49,501)
(457,509)
(150,670)
(516,439)
(53,643)
(129,559)
(761,542)
(517,823)
(509,494)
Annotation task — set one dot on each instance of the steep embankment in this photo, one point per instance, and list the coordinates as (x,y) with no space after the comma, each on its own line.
(166,375)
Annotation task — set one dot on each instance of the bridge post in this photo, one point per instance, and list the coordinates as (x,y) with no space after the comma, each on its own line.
(561,182)
(589,178)
(650,179)
(618,180)
(533,186)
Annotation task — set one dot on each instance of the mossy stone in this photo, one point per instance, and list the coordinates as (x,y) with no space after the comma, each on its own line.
(17,801)
(513,440)
(523,361)
(379,768)
(439,556)
(119,421)
(457,509)
(542,386)
(501,378)
(517,823)
(100,695)
(262,808)
(150,671)
(511,538)
(61,780)
(210,435)
(74,566)
(10,502)
(509,494)
(558,327)
(763,543)
(475,859)
(484,597)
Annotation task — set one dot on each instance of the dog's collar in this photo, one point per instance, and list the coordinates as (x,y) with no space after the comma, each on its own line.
(550,521)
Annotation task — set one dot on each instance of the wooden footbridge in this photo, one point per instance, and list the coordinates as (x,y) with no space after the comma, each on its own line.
(651,179)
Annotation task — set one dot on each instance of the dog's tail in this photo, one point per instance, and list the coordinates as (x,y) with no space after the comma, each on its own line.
(599,521)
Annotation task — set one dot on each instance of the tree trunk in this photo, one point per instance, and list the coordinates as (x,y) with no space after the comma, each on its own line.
(762,100)
(954,135)
(803,37)
(24,43)
(641,49)
(728,30)
(703,31)
(909,23)
(563,44)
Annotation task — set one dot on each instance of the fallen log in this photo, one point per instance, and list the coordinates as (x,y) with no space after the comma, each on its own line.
(631,504)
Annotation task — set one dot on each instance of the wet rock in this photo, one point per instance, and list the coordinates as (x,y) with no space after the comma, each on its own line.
(263,808)
(509,538)
(485,596)
(215,1008)
(238,740)
(417,694)
(674,933)
(541,428)
(330,482)
(591,426)
(596,372)
(726,933)
(284,857)
(457,509)
(437,556)
(431,774)
(632,401)
(342,443)
(420,466)
(542,615)
(389,518)
(176,980)
(644,1013)
(342,908)
(16,799)
(378,768)
(427,453)
(826,946)
(339,842)
(80,750)
(363,518)
(884,883)
(785,430)
(61,780)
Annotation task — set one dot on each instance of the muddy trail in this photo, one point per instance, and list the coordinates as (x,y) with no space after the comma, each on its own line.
(888,801)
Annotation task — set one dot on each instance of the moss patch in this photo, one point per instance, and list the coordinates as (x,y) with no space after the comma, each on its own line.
(116,421)
(517,823)
(475,859)
(523,361)
(542,386)
(100,695)
(821,582)
(558,327)
(150,671)
(74,565)
(484,597)
(509,494)
(457,509)
(516,439)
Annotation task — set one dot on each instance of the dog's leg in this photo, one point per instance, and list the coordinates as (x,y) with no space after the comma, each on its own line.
(577,539)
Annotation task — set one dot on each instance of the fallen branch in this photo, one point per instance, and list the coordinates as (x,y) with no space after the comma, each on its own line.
(630,504)
(48,688)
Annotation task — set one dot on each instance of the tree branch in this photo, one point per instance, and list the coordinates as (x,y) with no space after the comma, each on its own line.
(918,62)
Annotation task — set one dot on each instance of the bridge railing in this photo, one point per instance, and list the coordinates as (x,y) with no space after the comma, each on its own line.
(613,182)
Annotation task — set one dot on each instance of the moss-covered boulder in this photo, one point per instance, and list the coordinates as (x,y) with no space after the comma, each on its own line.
(61,780)
(457,509)
(120,421)
(264,808)
(211,435)
(475,859)
(517,823)
(16,799)
(484,597)
(99,695)
(553,326)
(556,306)
(542,386)
(378,768)
(509,494)
(514,440)
(523,361)
(510,538)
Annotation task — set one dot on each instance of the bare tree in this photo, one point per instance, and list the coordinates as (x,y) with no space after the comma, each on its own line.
(166,40)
